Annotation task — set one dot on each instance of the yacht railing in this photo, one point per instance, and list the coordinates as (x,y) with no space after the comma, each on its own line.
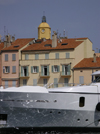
(48,85)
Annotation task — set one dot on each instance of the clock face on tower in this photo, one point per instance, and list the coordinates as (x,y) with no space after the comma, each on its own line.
(43,30)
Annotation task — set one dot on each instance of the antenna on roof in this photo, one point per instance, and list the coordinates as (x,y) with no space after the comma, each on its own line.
(4,31)
(57,33)
(97,50)
(64,33)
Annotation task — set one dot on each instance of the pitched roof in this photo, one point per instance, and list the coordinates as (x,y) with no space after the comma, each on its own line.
(18,44)
(47,45)
(88,63)
(1,45)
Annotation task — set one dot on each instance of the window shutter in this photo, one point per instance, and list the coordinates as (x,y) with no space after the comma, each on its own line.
(46,56)
(58,68)
(57,55)
(31,69)
(3,69)
(6,84)
(21,71)
(24,82)
(37,69)
(48,70)
(26,57)
(42,70)
(67,55)
(62,69)
(55,82)
(8,69)
(81,79)
(34,82)
(44,81)
(14,83)
(13,69)
(69,69)
(13,57)
(52,69)
(66,81)
(36,56)
(6,57)
(27,74)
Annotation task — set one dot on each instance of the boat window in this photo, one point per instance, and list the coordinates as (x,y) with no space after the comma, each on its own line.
(81,101)
(97,79)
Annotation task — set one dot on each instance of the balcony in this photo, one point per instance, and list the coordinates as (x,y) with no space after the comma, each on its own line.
(44,75)
(65,74)
(24,75)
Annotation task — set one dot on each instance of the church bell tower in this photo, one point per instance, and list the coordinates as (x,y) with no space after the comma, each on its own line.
(44,30)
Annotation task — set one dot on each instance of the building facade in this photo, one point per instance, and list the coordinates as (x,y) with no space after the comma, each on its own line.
(83,70)
(51,61)
(10,62)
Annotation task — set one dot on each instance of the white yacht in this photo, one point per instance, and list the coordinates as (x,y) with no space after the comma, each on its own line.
(64,107)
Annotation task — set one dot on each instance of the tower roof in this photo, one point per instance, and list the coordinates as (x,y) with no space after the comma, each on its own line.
(43,19)
(44,24)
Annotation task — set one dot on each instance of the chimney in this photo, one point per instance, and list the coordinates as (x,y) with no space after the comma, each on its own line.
(5,44)
(13,38)
(6,38)
(54,39)
(94,57)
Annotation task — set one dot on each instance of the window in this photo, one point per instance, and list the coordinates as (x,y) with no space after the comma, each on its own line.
(34,82)
(6,69)
(34,69)
(81,79)
(55,82)
(26,56)
(24,71)
(14,83)
(6,84)
(66,69)
(44,70)
(36,56)
(13,69)
(55,68)
(13,57)
(44,81)
(65,81)
(6,57)
(46,56)
(81,101)
(24,82)
(57,55)
(67,55)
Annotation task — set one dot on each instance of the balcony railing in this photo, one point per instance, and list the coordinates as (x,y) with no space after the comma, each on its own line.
(42,74)
(24,74)
(65,73)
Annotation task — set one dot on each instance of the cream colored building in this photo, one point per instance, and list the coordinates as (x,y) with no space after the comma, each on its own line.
(52,61)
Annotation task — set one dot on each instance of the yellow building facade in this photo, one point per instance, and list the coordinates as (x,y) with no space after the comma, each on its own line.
(44,30)
(43,63)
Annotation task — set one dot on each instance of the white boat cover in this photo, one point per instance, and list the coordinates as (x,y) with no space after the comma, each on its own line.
(32,89)
(96,73)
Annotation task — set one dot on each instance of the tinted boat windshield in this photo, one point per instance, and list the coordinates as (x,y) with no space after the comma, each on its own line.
(97,79)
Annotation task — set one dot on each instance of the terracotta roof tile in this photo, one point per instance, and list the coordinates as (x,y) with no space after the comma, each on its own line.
(18,44)
(1,46)
(88,63)
(71,44)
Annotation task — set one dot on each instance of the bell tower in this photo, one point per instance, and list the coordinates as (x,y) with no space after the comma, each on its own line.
(44,30)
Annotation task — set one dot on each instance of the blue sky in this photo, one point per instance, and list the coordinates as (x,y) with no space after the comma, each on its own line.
(79,18)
